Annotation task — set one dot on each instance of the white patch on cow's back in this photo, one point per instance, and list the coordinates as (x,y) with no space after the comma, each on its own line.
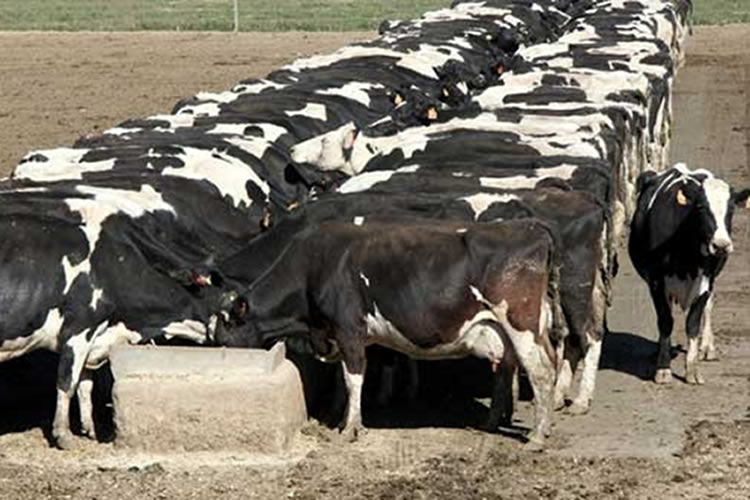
(365,181)
(564,172)
(44,337)
(356,91)
(109,201)
(479,202)
(62,164)
(228,174)
(312,110)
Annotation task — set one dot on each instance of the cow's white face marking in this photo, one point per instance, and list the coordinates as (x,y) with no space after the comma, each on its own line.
(45,337)
(187,329)
(718,195)
(479,202)
(358,220)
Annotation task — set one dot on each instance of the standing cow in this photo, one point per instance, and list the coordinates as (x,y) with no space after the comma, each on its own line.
(431,290)
(679,243)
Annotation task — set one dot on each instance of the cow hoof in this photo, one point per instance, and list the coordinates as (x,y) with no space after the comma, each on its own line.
(709,355)
(578,408)
(558,404)
(352,433)
(65,441)
(534,444)
(663,376)
(695,379)
(89,433)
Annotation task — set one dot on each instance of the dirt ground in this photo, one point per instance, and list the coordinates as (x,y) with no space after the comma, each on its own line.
(639,441)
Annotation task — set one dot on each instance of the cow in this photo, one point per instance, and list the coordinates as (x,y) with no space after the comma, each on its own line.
(585,249)
(427,289)
(679,243)
(78,274)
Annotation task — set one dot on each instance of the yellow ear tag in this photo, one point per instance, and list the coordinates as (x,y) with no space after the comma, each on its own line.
(432,114)
(398,99)
(681,198)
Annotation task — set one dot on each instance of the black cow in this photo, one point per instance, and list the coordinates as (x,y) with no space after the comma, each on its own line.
(679,243)
(349,285)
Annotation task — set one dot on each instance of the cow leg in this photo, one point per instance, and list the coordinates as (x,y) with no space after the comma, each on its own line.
(385,388)
(412,385)
(86,407)
(540,369)
(692,329)
(570,358)
(72,361)
(354,366)
(665,322)
(707,350)
(582,401)
(502,404)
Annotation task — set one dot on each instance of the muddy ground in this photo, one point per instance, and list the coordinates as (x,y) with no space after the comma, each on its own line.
(639,441)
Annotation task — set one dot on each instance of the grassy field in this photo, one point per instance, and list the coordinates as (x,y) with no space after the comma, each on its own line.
(721,11)
(255,15)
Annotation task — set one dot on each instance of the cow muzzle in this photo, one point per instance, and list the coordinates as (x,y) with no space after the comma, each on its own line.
(720,245)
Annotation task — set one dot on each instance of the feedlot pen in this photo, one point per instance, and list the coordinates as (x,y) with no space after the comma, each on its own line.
(58,86)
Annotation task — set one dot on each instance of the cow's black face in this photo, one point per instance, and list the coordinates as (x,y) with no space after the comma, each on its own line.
(234,328)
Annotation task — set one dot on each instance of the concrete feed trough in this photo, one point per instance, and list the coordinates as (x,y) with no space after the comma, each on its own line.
(174,399)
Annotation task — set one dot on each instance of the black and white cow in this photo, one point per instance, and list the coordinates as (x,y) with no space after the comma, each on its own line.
(679,243)
(79,274)
(349,286)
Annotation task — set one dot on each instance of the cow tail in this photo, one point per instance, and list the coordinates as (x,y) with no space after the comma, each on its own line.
(559,329)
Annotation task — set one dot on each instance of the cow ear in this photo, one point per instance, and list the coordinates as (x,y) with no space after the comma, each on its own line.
(742,198)
(240,307)
(682,200)
(645,179)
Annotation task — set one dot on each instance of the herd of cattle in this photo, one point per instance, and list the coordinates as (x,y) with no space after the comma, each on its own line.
(458,186)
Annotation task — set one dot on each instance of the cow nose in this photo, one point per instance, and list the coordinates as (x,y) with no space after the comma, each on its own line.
(721,245)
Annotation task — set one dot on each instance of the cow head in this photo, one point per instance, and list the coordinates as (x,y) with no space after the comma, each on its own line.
(694,200)
(329,151)
(233,328)
(712,206)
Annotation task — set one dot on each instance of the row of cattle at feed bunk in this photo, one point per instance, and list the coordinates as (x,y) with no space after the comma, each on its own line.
(457,186)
